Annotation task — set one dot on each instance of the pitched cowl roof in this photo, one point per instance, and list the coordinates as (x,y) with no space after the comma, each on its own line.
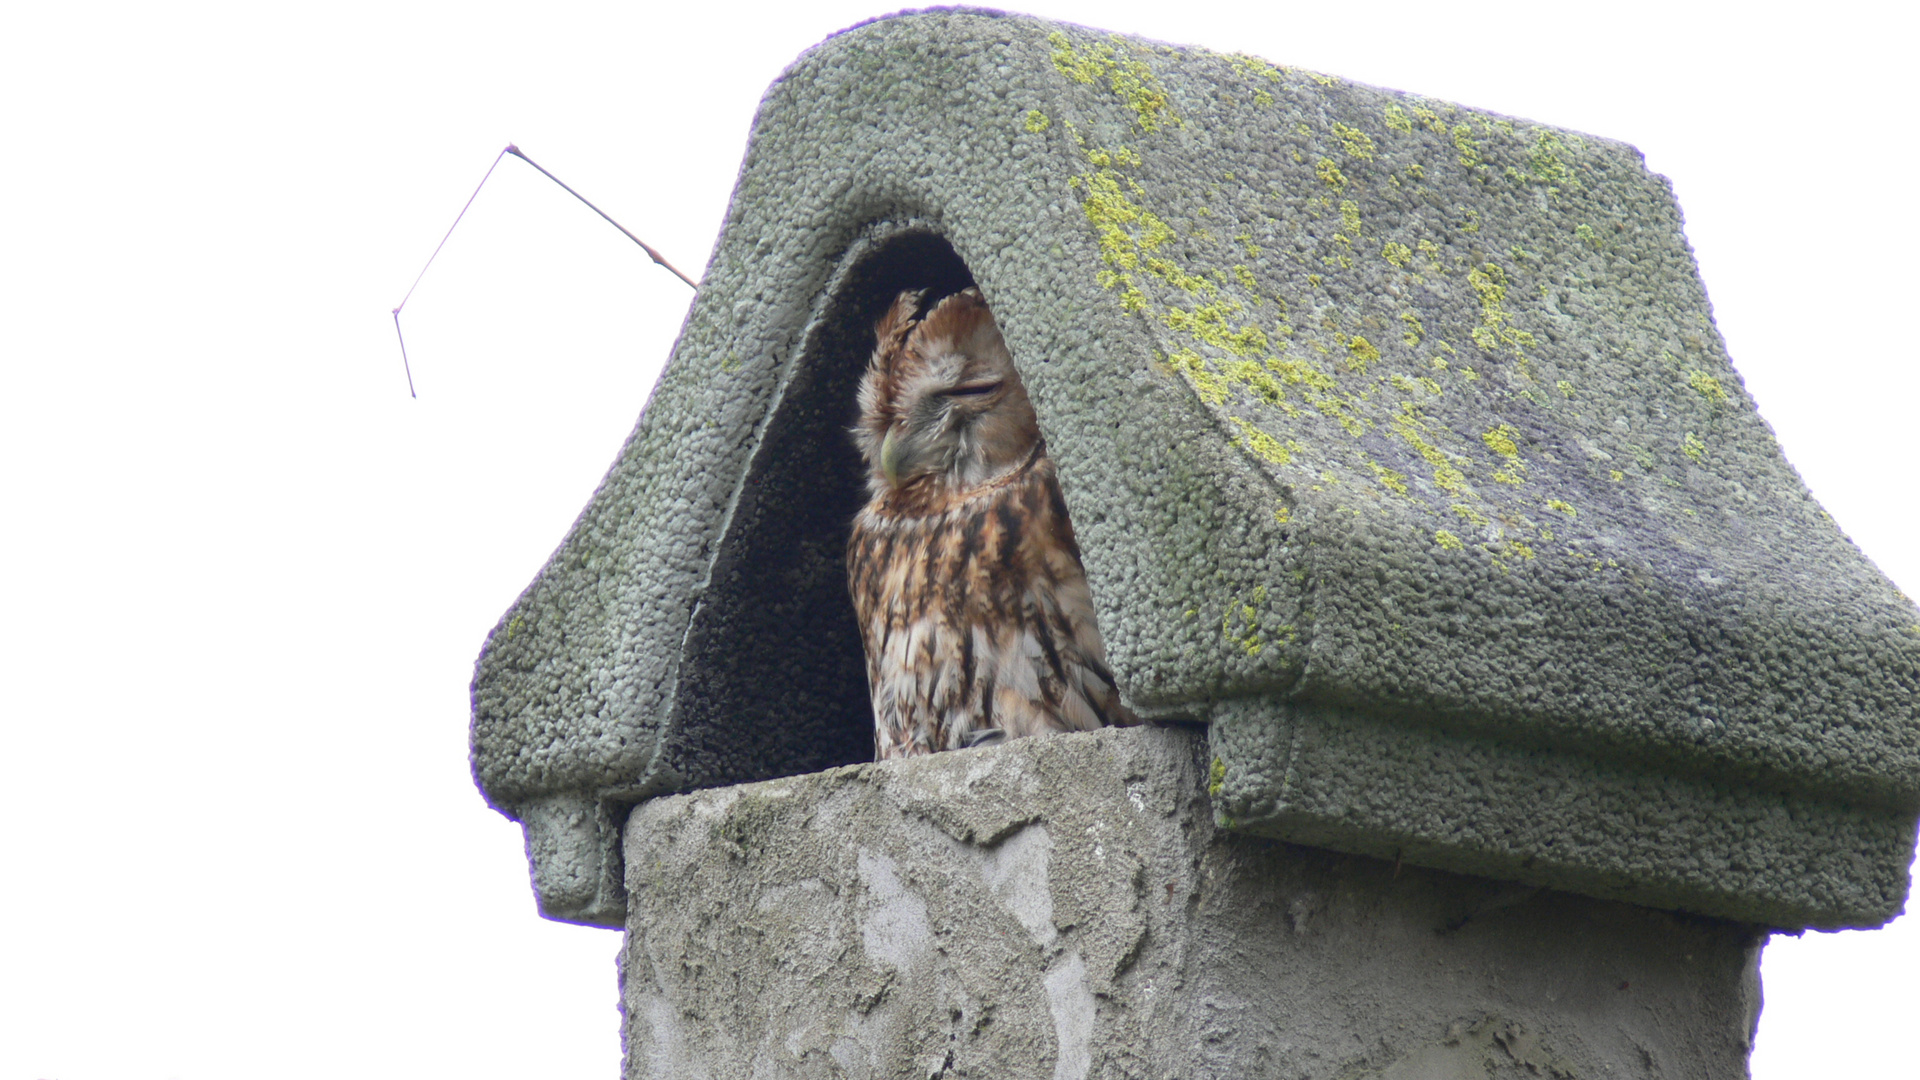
(1398,437)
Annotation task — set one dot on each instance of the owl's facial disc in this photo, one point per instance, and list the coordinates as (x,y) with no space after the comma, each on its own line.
(943,398)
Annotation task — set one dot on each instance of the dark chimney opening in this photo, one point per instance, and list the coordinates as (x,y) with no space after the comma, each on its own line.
(773,680)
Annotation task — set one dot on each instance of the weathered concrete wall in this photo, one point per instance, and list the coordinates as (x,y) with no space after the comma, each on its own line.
(1064,908)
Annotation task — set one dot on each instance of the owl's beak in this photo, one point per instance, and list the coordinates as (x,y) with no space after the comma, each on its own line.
(890,457)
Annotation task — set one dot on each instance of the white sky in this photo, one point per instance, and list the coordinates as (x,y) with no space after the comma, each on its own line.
(246,575)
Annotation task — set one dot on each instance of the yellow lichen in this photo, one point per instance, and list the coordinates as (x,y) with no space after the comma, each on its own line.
(1545,162)
(1251,66)
(1262,445)
(1263,385)
(1209,323)
(1123,228)
(1489,283)
(1708,387)
(1350,217)
(1173,275)
(1358,144)
(1130,79)
(1248,635)
(1392,481)
(1503,440)
(1397,253)
(1210,386)
(1037,122)
(1320,389)
(1302,373)
(1360,353)
(1465,147)
(1122,155)
(1447,540)
(1411,428)
(1431,251)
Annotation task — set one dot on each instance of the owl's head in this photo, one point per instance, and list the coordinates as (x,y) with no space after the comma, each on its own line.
(941,403)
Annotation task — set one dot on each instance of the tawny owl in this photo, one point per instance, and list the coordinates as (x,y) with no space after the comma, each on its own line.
(965,574)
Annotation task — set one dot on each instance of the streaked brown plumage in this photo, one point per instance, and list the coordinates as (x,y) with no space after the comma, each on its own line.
(965,575)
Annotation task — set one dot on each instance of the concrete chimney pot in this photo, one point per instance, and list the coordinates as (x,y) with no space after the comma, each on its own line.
(1404,454)
(1064,908)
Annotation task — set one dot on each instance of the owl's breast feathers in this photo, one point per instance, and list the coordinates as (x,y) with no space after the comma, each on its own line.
(976,615)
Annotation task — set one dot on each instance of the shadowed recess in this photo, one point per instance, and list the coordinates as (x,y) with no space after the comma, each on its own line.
(775,678)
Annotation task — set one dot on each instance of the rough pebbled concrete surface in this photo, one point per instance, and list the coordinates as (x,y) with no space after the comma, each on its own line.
(1064,908)
(1363,402)
(1334,778)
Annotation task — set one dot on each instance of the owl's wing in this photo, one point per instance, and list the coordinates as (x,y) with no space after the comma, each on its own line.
(1055,642)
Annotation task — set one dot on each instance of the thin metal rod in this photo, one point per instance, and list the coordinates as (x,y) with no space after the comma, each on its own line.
(644,246)
(423,270)
(450,228)
(403,353)
(515,151)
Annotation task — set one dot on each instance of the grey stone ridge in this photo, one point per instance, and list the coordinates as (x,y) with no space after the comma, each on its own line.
(1065,908)
(1398,437)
